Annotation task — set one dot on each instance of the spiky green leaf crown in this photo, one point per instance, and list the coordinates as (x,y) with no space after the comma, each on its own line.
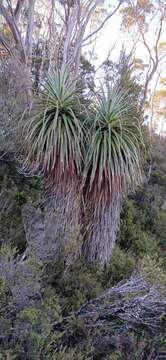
(113,160)
(55,132)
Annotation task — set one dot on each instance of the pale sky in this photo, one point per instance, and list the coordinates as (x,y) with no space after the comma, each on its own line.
(111,34)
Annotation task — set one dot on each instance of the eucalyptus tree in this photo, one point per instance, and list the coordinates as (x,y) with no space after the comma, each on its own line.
(146,21)
(11,13)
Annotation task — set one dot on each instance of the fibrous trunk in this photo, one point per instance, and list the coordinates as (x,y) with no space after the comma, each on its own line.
(66,205)
(101,232)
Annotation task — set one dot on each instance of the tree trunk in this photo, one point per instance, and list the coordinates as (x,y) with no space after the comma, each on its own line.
(11,21)
(101,234)
(29,34)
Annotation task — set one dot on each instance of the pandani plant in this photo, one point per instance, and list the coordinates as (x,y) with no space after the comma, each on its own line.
(112,167)
(88,165)
(54,142)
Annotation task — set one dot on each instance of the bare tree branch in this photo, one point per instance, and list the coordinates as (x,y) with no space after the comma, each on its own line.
(154,59)
(18,8)
(9,18)
(29,34)
(104,22)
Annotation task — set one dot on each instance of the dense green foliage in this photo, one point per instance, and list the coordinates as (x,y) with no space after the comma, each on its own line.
(15,191)
(38,296)
(141,247)
(82,244)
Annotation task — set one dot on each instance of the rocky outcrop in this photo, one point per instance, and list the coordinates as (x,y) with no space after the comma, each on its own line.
(41,232)
(49,232)
(45,231)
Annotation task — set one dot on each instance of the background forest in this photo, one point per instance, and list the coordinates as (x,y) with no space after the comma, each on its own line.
(82,180)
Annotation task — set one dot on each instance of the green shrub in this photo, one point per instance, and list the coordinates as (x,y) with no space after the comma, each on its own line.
(158,178)
(159,228)
(3,291)
(70,354)
(21,197)
(6,306)
(75,285)
(34,324)
(135,235)
(128,226)
(16,189)
(152,269)
(143,244)
(121,267)
(79,284)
